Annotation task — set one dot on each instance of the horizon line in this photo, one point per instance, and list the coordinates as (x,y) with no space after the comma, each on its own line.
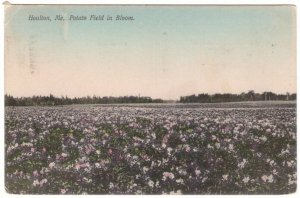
(54,95)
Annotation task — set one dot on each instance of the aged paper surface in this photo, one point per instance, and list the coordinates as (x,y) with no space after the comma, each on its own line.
(150,99)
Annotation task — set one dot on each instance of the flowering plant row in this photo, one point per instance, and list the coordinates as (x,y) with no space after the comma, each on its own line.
(147,149)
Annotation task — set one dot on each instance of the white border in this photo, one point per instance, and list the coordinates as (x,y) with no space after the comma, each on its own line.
(201,2)
(223,2)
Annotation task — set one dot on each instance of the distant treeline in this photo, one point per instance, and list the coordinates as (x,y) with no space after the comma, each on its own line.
(200,98)
(227,97)
(52,100)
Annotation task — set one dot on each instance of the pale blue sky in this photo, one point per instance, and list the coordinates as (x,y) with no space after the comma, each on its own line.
(166,52)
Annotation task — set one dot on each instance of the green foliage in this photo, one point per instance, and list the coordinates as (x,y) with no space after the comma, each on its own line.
(52,142)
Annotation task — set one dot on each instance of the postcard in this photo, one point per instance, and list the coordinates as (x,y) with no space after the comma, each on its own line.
(150,99)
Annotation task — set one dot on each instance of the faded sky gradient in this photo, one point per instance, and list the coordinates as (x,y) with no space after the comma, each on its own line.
(166,52)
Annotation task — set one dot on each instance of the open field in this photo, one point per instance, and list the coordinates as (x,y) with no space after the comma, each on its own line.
(239,148)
